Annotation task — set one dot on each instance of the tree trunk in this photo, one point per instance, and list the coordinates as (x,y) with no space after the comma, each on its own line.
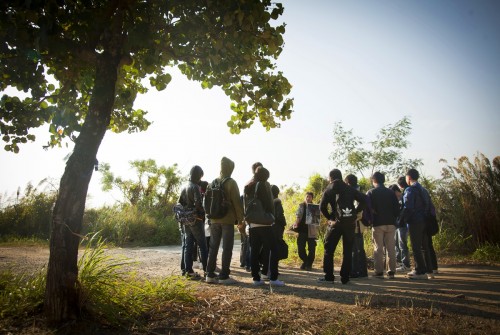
(62,294)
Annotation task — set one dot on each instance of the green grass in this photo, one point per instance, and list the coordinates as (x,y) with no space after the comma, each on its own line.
(21,295)
(15,241)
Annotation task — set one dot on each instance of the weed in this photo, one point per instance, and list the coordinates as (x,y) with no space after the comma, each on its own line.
(21,295)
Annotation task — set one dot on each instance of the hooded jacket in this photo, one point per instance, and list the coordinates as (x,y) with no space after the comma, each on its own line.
(190,196)
(235,212)
(338,186)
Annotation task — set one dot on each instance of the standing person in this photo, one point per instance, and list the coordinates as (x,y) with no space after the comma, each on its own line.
(223,228)
(402,251)
(307,235)
(359,267)
(341,222)
(244,235)
(385,211)
(413,213)
(262,235)
(190,198)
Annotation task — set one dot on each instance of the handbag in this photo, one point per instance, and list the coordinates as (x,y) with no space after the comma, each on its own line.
(185,216)
(255,213)
(282,249)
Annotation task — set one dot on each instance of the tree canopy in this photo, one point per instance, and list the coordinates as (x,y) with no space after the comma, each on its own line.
(50,51)
(385,153)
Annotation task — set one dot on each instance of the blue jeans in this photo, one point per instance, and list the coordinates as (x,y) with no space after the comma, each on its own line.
(359,266)
(332,238)
(183,247)
(402,252)
(194,233)
(218,232)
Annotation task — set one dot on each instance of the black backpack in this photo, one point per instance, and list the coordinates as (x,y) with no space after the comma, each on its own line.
(215,203)
(346,211)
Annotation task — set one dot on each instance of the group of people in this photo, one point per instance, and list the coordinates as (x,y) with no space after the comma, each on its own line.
(392,212)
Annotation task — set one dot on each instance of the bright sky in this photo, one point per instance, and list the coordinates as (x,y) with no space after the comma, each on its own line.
(365,63)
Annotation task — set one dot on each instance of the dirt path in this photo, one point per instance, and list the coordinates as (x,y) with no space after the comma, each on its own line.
(462,290)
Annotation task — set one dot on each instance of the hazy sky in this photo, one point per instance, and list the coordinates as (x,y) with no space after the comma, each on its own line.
(365,63)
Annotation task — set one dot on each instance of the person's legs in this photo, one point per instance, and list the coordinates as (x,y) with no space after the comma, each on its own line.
(378,249)
(301,248)
(389,241)
(227,249)
(188,250)
(347,240)
(255,244)
(332,238)
(183,248)
(243,251)
(198,231)
(403,246)
(215,238)
(311,252)
(416,231)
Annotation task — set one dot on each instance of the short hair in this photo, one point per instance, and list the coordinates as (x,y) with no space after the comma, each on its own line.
(402,182)
(255,166)
(395,188)
(335,174)
(310,193)
(275,191)
(351,180)
(378,177)
(413,173)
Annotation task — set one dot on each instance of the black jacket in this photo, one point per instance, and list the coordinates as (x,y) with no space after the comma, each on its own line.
(329,198)
(385,206)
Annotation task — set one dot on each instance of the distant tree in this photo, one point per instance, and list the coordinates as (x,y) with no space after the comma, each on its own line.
(155,187)
(385,153)
(316,185)
(81,65)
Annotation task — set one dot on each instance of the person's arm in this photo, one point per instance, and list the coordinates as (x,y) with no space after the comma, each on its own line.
(234,196)
(323,206)
(361,199)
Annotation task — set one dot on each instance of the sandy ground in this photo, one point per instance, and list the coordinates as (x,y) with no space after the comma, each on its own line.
(458,289)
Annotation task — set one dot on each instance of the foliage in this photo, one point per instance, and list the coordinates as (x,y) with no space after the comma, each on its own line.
(110,293)
(21,295)
(487,253)
(385,154)
(155,188)
(468,199)
(50,51)
(29,214)
(129,225)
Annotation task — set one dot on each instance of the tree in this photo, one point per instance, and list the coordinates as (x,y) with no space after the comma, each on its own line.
(385,154)
(81,64)
(154,188)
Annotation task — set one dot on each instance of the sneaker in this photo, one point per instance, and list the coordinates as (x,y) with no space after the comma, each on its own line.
(193,275)
(415,275)
(390,275)
(258,283)
(378,275)
(227,281)
(276,283)
(211,280)
(264,277)
(430,275)
(324,280)
(402,268)
(344,280)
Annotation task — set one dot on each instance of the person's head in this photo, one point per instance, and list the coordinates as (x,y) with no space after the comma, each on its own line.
(195,174)
(402,182)
(395,188)
(378,178)
(203,186)
(351,180)
(412,176)
(335,174)
(309,197)
(261,174)
(255,166)
(275,191)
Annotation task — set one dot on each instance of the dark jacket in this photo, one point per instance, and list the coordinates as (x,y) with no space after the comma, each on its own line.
(415,204)
(235,213)
(279,213)
(329,198)
(264,193)
(385,206)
